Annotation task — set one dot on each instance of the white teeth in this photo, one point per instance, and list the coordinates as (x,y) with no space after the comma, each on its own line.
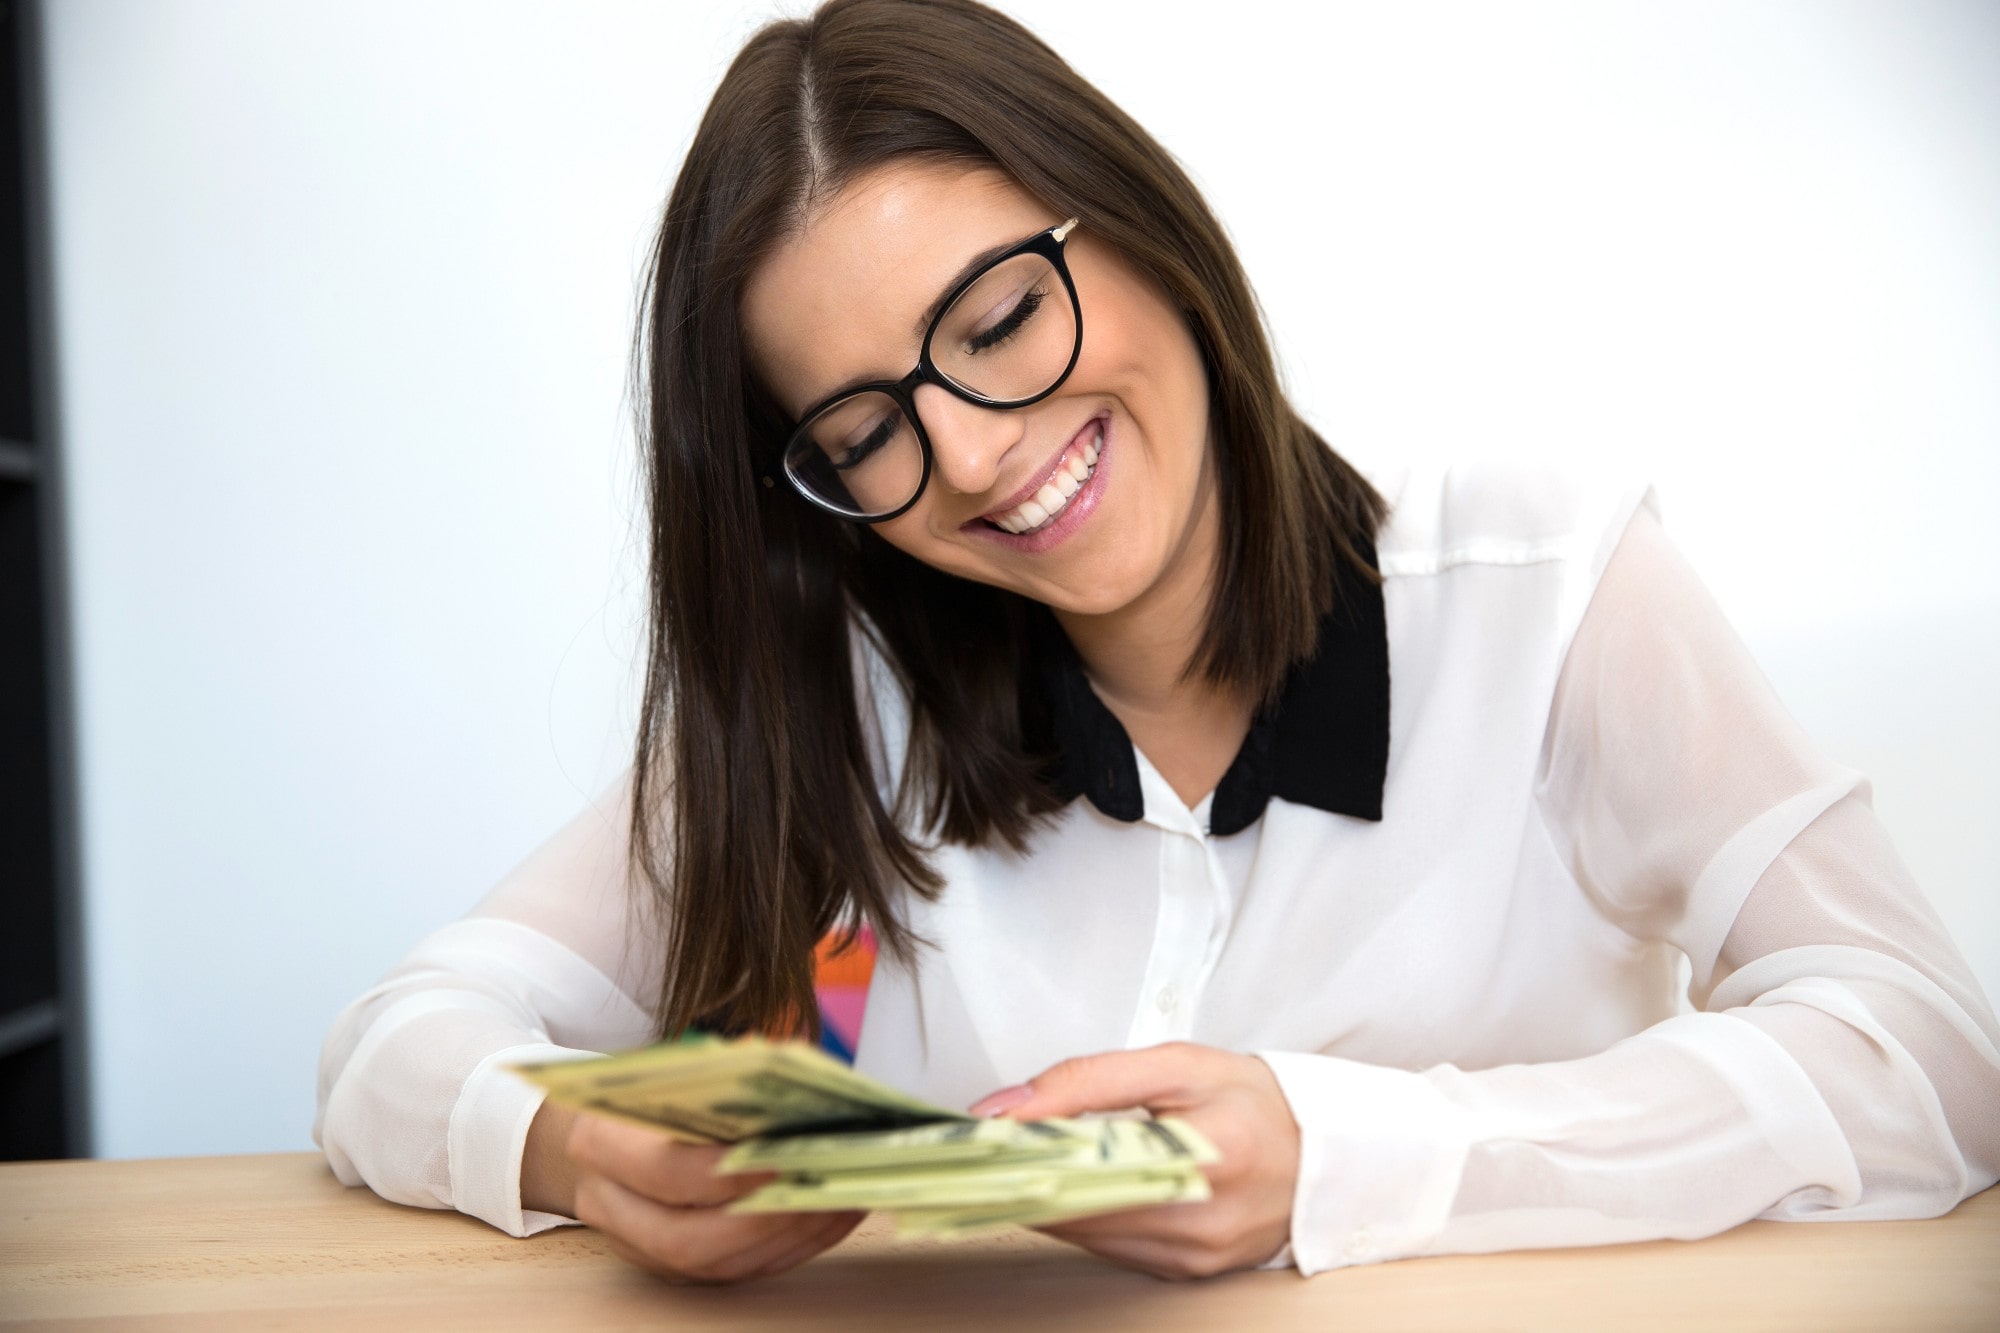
(1068,478)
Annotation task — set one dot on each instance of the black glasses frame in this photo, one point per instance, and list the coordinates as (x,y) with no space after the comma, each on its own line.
(1049,245)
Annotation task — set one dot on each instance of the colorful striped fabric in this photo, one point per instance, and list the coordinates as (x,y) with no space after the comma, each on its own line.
(840,978)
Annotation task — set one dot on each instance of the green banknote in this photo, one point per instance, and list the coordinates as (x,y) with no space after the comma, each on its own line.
(1136,1163)
(728,1091)
(1073,1200)
(948,1141)
(838,1141)
(940,1187)
(1029,1173)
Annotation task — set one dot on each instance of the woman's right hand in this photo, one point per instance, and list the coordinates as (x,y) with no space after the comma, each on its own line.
(662,1207)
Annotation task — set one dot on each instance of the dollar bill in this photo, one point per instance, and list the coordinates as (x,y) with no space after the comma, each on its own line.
(949,1141)
(1041,1171)
(837,1140)
(896,1190)
(1064,1206)
(1124,1142)
(726,1092)
(1037,1191)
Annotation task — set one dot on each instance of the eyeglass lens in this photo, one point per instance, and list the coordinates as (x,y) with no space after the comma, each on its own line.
(1007,338)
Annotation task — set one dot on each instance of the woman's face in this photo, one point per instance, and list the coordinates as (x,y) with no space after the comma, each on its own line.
(844,301)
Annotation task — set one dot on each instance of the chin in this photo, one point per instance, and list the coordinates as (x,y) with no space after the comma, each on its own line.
(1097,602)
(1103,592)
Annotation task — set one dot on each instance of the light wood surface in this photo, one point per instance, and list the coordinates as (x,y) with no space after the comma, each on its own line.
(223,1243)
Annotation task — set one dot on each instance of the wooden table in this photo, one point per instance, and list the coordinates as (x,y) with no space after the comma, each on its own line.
(221,1243)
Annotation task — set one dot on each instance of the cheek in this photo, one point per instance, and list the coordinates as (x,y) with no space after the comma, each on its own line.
(1139,350)
(907,533)
(911,534)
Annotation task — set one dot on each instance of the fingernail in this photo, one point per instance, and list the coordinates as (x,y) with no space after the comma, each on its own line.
(1003,1101)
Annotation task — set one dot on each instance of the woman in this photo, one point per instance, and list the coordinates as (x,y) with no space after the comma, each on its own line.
(1002,604)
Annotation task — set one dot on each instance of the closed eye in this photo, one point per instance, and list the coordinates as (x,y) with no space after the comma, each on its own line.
(1016,319)
(883,432)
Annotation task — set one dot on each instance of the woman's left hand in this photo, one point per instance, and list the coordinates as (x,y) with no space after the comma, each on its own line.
(1232,1099)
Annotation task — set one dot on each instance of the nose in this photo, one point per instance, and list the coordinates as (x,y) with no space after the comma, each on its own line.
(968,442)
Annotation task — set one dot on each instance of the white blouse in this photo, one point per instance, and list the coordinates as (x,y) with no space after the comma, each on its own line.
(1620,955)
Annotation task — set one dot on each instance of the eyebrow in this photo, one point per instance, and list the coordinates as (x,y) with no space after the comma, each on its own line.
(936,307)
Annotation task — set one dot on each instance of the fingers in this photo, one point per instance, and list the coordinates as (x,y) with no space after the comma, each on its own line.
(1161,1221)
(1174,1241)
(712,1271)
(649,1163)
(1158,1078)
(703,1244)
(659,1204)
(805,1235)
(836,1229)
(1161,1258)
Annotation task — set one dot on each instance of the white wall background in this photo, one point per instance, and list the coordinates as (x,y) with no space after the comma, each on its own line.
(344,299)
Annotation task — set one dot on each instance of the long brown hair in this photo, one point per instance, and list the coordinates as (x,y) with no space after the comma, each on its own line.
(758,817)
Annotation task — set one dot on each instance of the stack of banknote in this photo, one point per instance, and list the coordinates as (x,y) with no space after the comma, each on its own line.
(838,1140)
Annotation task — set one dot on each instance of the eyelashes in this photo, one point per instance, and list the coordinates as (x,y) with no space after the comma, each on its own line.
(1023,311)
(884,431)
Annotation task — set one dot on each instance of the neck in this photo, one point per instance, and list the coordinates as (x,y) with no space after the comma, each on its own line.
(1138,660)
(1138,657)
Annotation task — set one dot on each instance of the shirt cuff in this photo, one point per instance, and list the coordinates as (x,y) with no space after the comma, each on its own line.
(1380,1155)
(489,1133)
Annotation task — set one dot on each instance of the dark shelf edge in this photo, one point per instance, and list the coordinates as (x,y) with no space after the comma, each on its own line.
(30,1025)
(76,1043)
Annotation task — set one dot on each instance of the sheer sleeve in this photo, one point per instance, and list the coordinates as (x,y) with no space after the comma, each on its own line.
(414,1099)
(1840,1062)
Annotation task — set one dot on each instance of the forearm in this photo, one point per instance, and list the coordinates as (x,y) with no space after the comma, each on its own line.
(1698,1124)
(1845,1067)
(417,1097)
(548,1176)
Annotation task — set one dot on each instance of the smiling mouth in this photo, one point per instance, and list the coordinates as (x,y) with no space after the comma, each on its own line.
(1075,467)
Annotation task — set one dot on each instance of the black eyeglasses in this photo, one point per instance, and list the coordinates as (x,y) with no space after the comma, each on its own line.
(1006,336)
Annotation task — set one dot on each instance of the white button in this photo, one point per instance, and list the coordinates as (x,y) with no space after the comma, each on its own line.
(1167,999)
(1361,1247)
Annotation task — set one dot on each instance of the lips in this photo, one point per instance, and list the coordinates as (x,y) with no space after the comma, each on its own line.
(1042,500)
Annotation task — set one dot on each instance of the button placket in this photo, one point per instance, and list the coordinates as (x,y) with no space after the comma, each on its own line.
(1221,904)
(1180,938)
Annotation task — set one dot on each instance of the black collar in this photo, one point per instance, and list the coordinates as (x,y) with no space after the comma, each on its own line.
(1324,744)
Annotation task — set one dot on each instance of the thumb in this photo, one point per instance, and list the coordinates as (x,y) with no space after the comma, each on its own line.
(1157,1078)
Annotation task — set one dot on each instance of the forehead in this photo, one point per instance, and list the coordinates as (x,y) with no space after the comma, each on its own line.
(841,300)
